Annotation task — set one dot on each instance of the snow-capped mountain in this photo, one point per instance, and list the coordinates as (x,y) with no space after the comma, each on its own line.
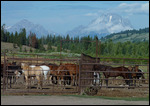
(29,26)
(102,26)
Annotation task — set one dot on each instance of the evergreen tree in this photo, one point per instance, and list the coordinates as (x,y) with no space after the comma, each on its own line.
(49,46)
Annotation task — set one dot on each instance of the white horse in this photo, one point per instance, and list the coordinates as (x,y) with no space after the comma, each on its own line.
(96,78)
(45,69)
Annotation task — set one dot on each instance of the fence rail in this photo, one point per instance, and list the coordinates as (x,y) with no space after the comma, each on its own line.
(85,77)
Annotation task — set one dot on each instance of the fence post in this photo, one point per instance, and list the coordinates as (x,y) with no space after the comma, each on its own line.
(99,48)
(4,71)
(80,68)
(96,48)
(147,72)
(37,58)
(60,49)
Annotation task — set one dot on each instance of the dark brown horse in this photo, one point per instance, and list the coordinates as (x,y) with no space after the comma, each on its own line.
(10,72)
(110,71)
(138,73)
(88,59)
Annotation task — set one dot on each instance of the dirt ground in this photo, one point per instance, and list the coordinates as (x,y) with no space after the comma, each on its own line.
(123,92)
(64,100)
(19,89)
(51,99)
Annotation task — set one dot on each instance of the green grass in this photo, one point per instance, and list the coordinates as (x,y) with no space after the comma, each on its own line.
(99,97)
(113,98)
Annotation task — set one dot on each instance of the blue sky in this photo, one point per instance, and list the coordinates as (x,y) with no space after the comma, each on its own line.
(62,16)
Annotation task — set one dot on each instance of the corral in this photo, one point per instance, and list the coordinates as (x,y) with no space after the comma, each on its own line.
(85,80)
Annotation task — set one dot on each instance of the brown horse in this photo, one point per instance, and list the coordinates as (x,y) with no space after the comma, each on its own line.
(62,74)
(53,73)
(29,72)
(74,72)
(109,72)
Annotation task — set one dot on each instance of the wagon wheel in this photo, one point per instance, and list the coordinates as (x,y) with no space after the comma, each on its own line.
(91,91)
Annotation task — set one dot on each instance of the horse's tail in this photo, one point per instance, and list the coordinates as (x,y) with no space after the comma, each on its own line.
(142,75)
(129,75)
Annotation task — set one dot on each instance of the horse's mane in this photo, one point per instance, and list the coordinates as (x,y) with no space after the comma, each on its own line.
(53,64)
(86,57)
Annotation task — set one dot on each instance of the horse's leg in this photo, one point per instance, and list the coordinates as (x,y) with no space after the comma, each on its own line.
(143,81)
(62,80)
(10,81)
(26,79)
(106,79)
(72,82)
(55,79)
(15,80)
(100,79)
(135,81)
(94,81)
(6,82)
(39,82)
(98,76)
(106,82)
(139,81)
(58,79)
(115,81)
(50,79)
(76,80)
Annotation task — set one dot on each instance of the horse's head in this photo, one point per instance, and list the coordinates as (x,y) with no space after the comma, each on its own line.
(24,65)
(134,70)
(17,74)
(130,68)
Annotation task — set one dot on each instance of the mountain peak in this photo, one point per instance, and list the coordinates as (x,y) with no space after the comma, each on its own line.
(105,24)
(24,20)
(38,29)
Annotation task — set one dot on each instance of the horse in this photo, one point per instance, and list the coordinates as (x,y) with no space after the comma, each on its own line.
(109,72)
(73,71)
(35,71)
(137,75)
(88,59)
(63,74)
(53,73)
(45,68)
(11,72)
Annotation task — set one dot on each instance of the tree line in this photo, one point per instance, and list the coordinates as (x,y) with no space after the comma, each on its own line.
(77,44)
(127,32)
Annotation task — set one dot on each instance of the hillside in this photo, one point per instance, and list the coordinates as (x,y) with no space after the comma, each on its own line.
(9,46)
(129,35)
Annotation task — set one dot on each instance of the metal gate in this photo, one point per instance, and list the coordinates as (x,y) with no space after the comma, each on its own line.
(18,86)
(88,77)
(84,79)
